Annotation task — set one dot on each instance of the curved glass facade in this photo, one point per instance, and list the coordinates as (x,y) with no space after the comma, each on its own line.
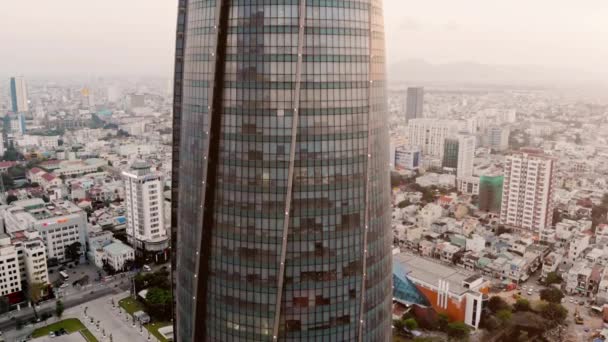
(283,173)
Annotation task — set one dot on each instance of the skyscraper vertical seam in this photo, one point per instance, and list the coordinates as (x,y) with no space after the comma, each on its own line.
(367,176)
(177,115)
(292,153)
(208,187)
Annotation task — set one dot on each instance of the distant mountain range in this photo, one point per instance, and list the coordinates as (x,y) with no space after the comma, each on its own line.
(420,71)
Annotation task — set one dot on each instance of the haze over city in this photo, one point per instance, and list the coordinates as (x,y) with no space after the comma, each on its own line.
(554,39)
(303,170)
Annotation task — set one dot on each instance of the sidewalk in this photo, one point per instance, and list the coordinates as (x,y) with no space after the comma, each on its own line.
(112,320)
(74,298)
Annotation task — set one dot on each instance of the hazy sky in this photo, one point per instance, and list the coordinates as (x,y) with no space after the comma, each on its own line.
(136,36)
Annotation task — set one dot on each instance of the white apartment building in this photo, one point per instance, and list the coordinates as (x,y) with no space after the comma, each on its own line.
(527,197)
(144,202)
(497,138)
(10,277)
(430,134)
(466,155)
(59,223)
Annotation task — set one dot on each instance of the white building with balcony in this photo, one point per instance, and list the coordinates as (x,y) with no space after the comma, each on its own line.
(144,201)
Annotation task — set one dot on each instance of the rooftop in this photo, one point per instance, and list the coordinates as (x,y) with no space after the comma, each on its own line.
(430,272)
(117,248)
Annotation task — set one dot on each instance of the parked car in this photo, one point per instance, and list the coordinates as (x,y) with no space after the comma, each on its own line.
(147,268)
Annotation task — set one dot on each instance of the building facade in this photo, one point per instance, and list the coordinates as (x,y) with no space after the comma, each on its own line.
(490,193)
(10,275)
(439,289)
(407,158)
(145,212)
(19,100)
(281,172)
(527,196)
(59,223)
(414,104)
(430,134)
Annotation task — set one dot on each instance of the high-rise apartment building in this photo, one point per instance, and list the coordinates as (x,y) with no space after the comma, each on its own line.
(527,196)
(280,179)
(466,155)
(496,138)
(414,104)
(19,95)
(145,208)
(430,134)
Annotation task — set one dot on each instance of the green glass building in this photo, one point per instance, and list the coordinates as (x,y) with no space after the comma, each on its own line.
(490,193)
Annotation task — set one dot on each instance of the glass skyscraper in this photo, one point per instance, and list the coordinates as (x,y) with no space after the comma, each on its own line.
(281,195)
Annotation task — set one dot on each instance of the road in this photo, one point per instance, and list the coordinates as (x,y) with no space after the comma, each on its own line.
(79,296)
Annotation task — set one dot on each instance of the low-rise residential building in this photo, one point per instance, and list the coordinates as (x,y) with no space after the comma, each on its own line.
(439,288)
(577,278)
(550,264)
(578,243)
(114,253)
(117,253)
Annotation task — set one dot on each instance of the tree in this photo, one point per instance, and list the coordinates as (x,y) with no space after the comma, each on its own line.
(158,302)
(411,324)
(35,292)
(458,330)
(551,295)
(403,204)
(128,265)
(502,229)
(4,304)
(553,278)
(442,321)
(59,308)
(158,279)
(522,304)
(399,324)
(9,183)
(11,198)
(496,304)
(553,312)
(504,316)
(72,251)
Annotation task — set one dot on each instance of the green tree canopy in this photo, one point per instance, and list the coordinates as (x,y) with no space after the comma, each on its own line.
(496,304)
(553,278)
(504,316)
(59,308)
(552,295)
(522,304)
(553,312)
(411,324)
(458,330)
